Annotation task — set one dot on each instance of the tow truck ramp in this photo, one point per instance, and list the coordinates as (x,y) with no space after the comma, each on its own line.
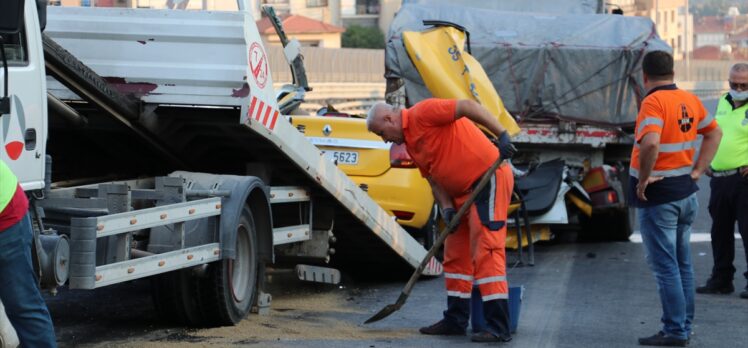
(196,89)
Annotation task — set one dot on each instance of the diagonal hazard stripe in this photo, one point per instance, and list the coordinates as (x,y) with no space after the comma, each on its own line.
(251,108)
(257,114)
(267,114)
(272,122)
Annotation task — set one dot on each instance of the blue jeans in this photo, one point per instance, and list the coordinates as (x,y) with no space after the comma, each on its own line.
(18,288)
(666,233)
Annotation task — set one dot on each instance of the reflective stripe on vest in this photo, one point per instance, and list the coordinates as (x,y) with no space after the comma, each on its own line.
(8,184)
(705,122)
(675,147)
(650,120)
(664,173)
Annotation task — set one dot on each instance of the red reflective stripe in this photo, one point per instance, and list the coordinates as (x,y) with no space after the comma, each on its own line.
(267,114)
(251,107)
(256,115)
(272,123)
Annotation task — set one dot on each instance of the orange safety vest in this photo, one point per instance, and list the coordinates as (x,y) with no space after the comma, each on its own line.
(678,116)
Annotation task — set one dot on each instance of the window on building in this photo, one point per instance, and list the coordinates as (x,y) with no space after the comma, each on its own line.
(316,3)
(680,42)
(672,15)
(367,7)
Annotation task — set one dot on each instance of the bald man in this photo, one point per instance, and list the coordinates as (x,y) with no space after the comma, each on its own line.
(453,154)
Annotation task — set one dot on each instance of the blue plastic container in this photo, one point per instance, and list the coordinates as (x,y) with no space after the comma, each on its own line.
(476,309)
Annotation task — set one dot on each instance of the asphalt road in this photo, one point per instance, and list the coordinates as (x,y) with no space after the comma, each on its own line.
(577,295)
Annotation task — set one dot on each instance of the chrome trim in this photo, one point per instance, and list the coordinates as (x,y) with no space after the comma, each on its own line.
(351,143)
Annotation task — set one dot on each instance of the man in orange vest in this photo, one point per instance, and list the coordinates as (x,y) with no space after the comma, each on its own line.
(18,286)
(663,176)
(453,154)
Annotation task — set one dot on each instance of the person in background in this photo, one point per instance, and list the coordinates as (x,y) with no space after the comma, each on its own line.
(729,184)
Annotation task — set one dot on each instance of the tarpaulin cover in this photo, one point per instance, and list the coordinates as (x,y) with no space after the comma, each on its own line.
(545,6)
(579,67)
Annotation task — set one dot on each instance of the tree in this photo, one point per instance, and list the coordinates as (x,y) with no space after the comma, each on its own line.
(357,36)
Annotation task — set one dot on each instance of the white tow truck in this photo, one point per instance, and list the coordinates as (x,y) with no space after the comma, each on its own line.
(150,144)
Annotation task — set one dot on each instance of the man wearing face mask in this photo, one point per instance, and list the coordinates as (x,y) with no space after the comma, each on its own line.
(729,184)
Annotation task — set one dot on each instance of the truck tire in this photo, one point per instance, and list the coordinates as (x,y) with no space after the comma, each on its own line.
(228,295)
(625,217)
(612,225)
(618,225)
(174,297)
(222,295)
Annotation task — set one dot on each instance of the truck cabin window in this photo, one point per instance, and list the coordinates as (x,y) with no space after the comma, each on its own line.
(14,47)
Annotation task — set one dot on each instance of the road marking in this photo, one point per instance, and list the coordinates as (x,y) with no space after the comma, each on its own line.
(695,237)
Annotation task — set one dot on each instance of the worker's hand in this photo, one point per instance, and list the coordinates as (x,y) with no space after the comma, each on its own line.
(506,148)
(708,172)
(744,171)
(448,214)
(695,175)
(642,186)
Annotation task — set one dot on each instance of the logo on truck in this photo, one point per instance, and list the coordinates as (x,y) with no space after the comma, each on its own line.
(12,126)
(258,64)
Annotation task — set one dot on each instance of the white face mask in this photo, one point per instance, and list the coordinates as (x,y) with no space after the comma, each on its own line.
(738,96)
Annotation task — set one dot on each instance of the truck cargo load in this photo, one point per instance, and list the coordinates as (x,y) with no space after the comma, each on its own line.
(574,67)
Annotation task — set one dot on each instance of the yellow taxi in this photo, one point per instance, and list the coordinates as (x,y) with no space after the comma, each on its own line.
(385,171)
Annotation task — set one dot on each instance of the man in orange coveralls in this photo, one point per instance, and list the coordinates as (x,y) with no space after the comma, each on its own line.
(453,154)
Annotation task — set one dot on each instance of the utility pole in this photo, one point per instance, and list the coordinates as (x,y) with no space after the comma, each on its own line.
(685,43)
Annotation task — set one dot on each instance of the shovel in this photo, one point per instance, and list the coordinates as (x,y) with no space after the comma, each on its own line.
(389,309)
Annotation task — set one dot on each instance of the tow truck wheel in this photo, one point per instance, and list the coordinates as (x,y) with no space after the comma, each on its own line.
(217,294)
(228,296)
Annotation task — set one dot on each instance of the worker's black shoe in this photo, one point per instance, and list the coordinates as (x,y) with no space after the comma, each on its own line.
(443,328)
(716,287)
(485,336)
(661,340)
(744,293)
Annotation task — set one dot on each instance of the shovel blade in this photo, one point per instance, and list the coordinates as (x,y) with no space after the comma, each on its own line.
(384,313)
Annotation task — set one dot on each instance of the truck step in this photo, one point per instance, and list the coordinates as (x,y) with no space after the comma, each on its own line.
(318,274)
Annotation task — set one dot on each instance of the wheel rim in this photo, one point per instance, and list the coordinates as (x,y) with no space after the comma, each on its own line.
(240,266)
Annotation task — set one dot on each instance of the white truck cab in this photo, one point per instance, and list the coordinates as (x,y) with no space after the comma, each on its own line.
(23,129)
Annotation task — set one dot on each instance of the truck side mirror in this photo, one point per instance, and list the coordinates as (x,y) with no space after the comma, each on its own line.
(11,16)
(41,9)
